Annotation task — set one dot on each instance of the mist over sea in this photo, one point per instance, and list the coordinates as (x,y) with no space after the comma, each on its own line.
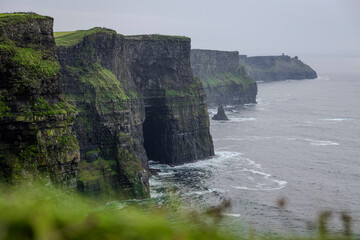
(301,142)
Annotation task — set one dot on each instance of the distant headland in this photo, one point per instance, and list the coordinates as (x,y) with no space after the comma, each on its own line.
(276,68)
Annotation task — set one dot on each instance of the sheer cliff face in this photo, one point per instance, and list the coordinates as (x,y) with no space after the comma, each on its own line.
(276,68)
(96,80)
(225,81)
(133,93)
(176,128)
(36,138)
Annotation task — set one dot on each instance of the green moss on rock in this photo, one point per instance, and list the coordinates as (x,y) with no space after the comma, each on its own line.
(42,108)
(31,63)
(4,108)
(102,80)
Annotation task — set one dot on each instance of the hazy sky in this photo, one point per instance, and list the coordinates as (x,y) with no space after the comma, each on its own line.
(253,27)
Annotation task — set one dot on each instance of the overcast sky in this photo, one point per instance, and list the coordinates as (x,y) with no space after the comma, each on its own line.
(252,27)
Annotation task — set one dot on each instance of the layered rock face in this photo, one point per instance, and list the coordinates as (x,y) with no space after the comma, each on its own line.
(96,79)
(276,68)
(36,138)
(132,92)
(225,81)
(176,128)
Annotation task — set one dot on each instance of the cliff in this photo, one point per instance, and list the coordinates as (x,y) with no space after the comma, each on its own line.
(225,81)
(109,124)
(36,138)
(276,68)
(176,128)
(137,100)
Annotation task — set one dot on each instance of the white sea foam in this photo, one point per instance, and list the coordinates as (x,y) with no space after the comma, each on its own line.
(250,104)
(311,141)
(153,182)
(251,162)
(232,214)
(250,178)
(263,187)
(321,143)
(258,189)
(244,168)
(220,157)
(324,143)
(335,119)
(242,119)
(156,194)
(165,173)
(212,111)
(269,185)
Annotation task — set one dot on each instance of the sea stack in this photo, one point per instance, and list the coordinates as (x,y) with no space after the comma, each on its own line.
(220,114)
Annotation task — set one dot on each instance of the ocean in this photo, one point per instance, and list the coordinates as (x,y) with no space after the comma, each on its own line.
(299,145)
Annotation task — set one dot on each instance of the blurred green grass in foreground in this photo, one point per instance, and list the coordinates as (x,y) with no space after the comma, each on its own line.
(36,211)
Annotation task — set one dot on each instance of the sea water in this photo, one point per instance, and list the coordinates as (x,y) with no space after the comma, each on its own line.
(299,143)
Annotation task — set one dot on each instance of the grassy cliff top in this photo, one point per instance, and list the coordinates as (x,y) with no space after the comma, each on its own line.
(11,18)
(74,37)
(71,38)
(156,37)
(275,63)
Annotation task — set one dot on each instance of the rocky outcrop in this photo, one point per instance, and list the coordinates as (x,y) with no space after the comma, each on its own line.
(220,115)
(137,100)
(36,138)
(276,68)
(225,81)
